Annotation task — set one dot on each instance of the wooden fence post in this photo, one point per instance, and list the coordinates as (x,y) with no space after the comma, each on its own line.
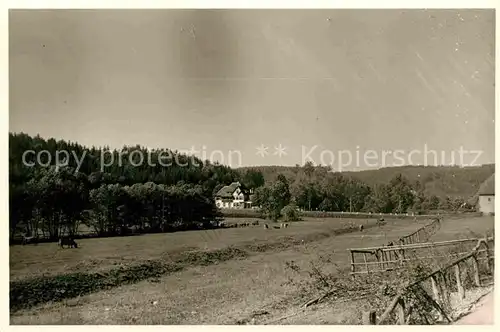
(487,247)
(426,234)
(445,293)
(460,288)
(380,258)
(352,263)
(385,259)
(400,307)
(475,264)
(491,264)
(436,291)
(369,317)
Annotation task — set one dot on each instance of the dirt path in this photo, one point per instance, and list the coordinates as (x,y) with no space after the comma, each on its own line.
(482,313)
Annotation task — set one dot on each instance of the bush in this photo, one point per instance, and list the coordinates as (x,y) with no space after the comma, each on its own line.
(290,213)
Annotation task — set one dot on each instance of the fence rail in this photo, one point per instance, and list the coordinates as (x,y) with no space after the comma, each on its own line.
(391,256)
(422,234)
(442,282)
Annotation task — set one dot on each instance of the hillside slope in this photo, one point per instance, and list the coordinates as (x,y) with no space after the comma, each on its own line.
(441,181)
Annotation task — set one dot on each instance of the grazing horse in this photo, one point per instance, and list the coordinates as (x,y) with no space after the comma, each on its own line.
(255,223)
(284,225)
(266,226)
(30,239)
(67,241)
(361,227)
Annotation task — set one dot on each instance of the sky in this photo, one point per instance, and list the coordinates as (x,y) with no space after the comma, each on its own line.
(321,84)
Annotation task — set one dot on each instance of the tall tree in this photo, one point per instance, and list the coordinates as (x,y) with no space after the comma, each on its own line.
(253,179)
(402,193)
(274,197)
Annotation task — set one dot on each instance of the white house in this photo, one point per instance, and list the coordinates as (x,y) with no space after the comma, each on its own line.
(233,196)
(486,196)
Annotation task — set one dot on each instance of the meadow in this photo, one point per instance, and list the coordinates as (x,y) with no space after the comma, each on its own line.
(222,276)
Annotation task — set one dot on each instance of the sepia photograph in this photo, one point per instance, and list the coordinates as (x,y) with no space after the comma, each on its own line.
(251,166)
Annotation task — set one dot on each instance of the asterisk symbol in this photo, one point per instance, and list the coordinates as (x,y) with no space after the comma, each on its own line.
(280,150)
(262,150)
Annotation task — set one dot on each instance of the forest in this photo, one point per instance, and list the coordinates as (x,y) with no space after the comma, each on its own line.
(55,200)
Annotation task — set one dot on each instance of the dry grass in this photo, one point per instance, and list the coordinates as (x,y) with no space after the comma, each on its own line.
(217,294)
(103,253)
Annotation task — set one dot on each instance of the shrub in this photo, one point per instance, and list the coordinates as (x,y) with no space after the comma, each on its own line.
(290,213)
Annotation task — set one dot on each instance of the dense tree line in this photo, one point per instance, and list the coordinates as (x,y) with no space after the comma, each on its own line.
(441,181)
(318,189)
(151,197)
(112,199)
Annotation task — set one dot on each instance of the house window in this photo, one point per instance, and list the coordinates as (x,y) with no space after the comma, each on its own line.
(489,199)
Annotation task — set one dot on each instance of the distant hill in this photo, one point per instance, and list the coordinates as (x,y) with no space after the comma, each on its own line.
(441,181)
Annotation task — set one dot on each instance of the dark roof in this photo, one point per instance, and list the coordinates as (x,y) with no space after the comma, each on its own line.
(227,191)
(488,186)
(473,200)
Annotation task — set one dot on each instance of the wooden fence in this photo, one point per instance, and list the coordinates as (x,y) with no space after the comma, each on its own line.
(414,303)
(388,257)
(363,215)
(255,213)
(422,234)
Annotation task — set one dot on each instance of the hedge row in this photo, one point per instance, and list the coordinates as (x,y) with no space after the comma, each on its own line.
(31,292)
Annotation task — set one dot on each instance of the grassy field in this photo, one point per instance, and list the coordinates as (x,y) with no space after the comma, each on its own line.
(222,293)
(103,253)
